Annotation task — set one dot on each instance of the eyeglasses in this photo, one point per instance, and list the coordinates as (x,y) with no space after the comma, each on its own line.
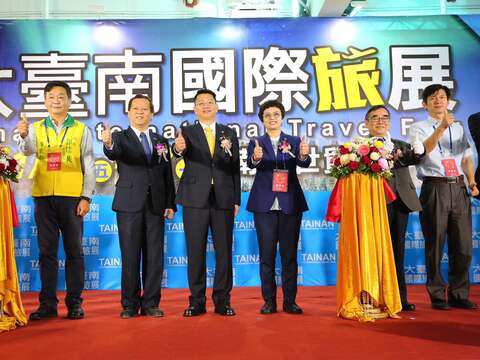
(377,119)
(272,116)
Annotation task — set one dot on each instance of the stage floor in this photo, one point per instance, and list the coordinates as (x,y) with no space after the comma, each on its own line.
(317,334)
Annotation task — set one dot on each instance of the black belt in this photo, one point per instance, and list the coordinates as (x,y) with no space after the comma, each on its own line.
(444,180)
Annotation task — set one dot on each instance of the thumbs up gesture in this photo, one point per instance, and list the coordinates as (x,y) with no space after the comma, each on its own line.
(304,148)
(257,151)
(22,126)
(107,135)
(418,147)
(180,144)
(447,120)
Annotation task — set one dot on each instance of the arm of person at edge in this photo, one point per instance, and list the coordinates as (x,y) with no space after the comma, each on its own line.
(236,172)
(467,167)
(171,208)
(407,156)
(88,169)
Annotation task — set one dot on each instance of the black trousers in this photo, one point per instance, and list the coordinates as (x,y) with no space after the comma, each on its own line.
(141,236)
(272,228)
(55,215)
(447,212)
(398,219)
(196,222)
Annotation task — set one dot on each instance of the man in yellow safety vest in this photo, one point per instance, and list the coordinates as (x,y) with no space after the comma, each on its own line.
(63,184)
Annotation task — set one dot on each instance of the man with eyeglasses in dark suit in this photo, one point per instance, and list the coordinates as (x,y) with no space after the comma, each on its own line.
(209,192)
(377,120)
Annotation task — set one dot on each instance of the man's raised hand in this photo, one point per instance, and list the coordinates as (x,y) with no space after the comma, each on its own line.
(107,135)
(180,144)
(22,126)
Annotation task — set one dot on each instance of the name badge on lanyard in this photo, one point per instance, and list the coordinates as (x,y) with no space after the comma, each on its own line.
(54,158)
(450,168)
(54,161)
(280,181)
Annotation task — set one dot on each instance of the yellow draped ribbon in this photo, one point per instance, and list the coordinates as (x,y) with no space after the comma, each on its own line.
(210,139)
(365,255)
(13,311)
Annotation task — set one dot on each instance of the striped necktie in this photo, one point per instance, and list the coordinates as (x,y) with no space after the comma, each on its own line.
(146,145)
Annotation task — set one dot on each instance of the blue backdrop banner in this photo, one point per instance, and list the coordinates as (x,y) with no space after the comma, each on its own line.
(326,71)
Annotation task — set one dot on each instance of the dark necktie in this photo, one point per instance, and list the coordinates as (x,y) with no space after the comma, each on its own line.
(146,145)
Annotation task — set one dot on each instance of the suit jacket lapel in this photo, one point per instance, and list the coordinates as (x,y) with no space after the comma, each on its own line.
(219,133)
(266,143)
(155,141)
(280,155)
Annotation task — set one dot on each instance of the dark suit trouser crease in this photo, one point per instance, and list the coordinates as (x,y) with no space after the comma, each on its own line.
(55,215)
(196,223)
(141,237)
(447,212)
(272,228)
(398,219)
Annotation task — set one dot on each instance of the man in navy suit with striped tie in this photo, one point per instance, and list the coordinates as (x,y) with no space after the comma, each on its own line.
(144,196)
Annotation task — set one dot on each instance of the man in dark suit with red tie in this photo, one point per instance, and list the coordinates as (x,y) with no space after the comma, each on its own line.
(209,192)
(144,196)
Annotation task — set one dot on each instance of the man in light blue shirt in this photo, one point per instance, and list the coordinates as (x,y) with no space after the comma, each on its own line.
(446,208)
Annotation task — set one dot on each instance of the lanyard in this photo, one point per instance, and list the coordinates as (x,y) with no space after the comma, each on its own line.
(277,149)
(48,138)
(450,139)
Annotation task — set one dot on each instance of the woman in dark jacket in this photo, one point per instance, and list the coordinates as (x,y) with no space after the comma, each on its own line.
(277,202)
